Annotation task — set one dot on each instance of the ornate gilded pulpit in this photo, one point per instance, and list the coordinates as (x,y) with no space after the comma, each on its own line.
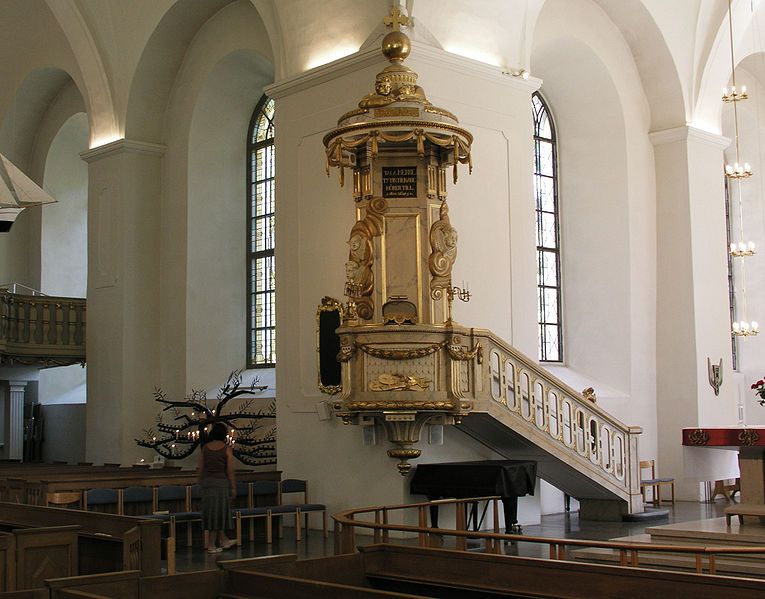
(405,362)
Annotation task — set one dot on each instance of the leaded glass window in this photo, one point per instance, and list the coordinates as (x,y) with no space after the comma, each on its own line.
(261,288)
(731,278)
(548,233)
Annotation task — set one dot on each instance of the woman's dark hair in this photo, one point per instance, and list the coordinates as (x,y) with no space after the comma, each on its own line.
(218,432)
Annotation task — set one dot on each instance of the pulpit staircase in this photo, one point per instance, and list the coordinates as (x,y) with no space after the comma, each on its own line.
(521,411)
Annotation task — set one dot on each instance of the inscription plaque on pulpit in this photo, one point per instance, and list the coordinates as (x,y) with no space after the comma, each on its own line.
(399,181)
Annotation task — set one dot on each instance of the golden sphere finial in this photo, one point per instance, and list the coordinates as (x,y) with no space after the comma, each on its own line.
(396,46)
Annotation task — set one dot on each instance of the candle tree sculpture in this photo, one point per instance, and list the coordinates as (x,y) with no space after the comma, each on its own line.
(253,441)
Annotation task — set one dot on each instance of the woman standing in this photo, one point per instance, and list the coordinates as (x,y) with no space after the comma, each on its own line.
(216,477)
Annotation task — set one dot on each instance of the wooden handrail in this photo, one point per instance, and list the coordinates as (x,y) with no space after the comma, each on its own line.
(347,521)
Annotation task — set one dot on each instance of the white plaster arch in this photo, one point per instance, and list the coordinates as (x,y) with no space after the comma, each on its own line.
(104,125)
(42,103)
(163,57)
(653,59)
(229,62)
(717,69)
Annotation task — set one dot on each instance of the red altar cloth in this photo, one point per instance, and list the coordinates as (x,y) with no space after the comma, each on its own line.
(753,436)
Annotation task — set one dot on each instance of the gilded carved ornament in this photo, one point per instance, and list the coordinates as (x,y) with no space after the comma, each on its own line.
(359,276)
(341,151)
(401,354)
(399,405)
(443,254)
(698,437)
(748,437)
(399,382)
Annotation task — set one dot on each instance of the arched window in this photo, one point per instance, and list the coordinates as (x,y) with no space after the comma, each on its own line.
(548,233)
(261,340)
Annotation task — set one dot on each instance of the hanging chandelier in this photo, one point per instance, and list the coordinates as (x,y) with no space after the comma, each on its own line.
(736,173)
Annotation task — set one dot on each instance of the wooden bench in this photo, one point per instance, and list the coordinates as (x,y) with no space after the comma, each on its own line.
(106,542)
(29,555)
(744,509)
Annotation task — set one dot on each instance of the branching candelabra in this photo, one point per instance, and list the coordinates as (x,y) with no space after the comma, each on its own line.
(193,419)
(461,293)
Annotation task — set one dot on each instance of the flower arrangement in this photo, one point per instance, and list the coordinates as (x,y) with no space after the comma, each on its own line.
(759,389)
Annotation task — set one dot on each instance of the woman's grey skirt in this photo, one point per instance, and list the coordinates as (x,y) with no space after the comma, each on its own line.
(216,505)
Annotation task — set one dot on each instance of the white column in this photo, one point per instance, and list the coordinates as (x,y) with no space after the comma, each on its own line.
(693,320)
(123,334)
(15,419)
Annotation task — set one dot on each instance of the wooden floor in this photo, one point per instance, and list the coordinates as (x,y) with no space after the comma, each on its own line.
(556,525)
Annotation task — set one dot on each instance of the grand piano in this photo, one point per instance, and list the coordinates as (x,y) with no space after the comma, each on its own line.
(509,479)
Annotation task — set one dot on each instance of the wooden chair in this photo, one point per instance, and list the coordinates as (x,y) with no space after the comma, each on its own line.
(654,483)
(256,489)
(65,499)
(293,485)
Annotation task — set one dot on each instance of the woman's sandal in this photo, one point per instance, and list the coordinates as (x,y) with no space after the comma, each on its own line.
(215,550)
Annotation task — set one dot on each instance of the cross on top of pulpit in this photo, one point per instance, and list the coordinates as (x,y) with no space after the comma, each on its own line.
(396,19)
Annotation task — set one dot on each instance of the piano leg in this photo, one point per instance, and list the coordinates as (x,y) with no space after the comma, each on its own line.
(510,505)
(433,513)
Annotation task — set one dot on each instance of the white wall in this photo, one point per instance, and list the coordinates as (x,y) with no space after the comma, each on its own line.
(64,224)
(607,208)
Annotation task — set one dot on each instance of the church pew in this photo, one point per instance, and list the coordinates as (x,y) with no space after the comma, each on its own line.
(44,552)
(30,554)
(35,488)
(12,480)
(107,542)
(114,585)
(446,573)
(7,561)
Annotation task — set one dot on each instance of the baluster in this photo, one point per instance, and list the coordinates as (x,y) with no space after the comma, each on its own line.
(26,338)
(65,324)
(36,326)
(79,325)
(422,523)
(53,323)
(386,535)
(461,525)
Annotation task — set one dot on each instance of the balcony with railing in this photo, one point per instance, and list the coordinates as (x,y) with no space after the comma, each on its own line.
(40,330)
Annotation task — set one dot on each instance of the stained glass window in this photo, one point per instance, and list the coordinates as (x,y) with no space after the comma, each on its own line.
(548,233)
(261,283)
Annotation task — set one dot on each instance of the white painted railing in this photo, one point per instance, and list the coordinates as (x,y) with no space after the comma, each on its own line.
(558,415)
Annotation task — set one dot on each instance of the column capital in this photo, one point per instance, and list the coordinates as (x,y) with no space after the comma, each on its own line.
(17,385)
(122,146)
(688,132)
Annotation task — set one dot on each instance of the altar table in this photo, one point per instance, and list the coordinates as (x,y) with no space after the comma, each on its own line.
(749,441)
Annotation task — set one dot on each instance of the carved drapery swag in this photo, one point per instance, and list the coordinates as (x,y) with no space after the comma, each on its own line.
(443,245)
(341,151)
(359,274)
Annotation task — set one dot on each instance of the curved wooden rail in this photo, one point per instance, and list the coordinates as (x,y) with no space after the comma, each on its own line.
(346,523)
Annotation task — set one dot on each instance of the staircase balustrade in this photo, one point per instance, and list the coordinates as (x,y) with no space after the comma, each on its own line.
(41,330)
(557,417)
